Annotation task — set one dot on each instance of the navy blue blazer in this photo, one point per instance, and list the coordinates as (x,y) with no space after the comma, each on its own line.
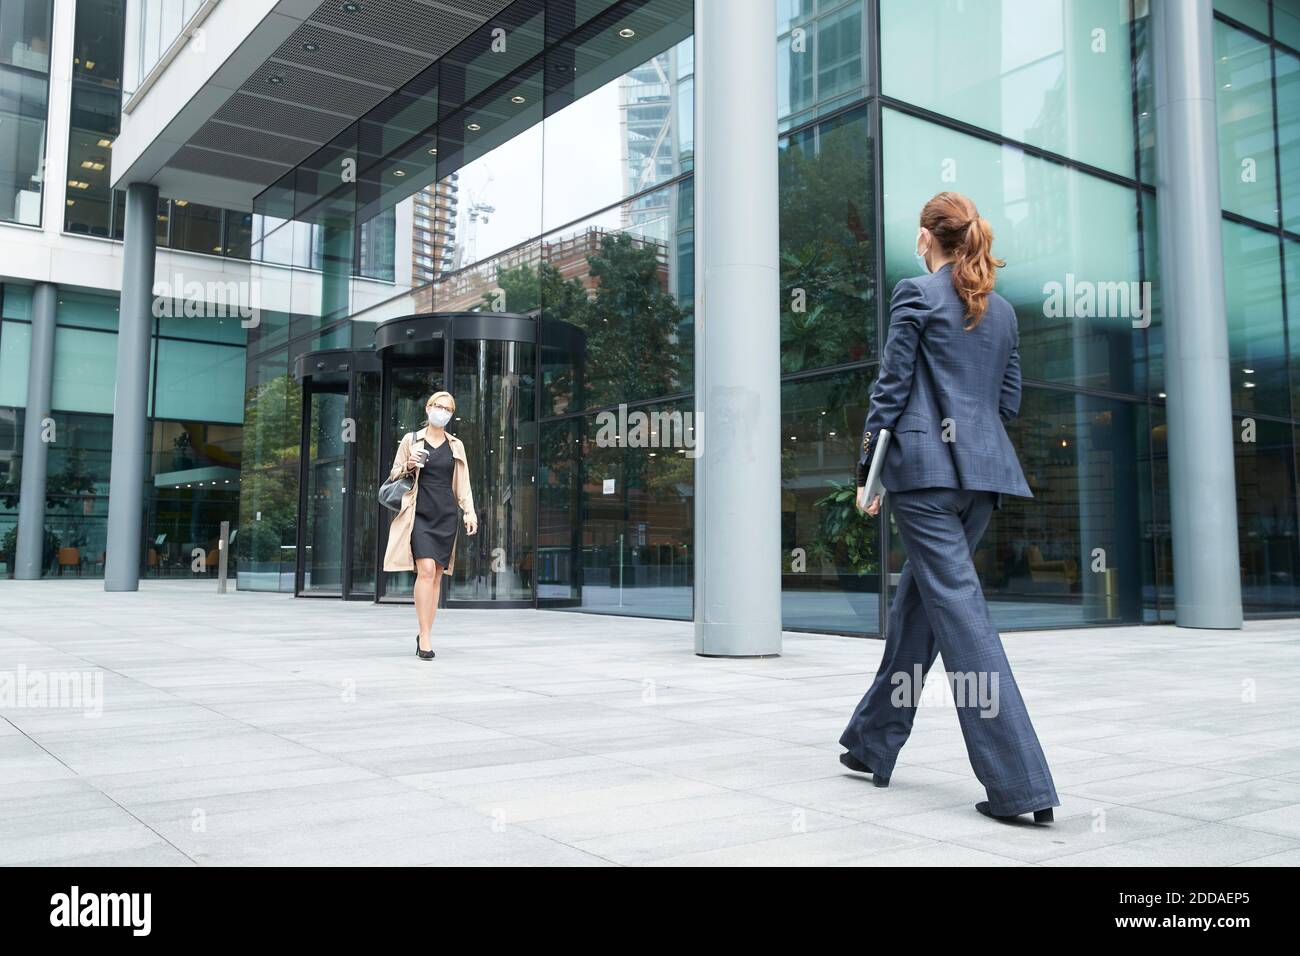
(945,393)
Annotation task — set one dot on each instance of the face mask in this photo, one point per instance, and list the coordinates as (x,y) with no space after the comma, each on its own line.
(438,417)
(920,259)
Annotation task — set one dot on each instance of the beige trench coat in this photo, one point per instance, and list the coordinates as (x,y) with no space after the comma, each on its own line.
(397,556)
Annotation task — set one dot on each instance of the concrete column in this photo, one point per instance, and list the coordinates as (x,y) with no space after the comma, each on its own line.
(1202,478)
(30,557)
(131,400)
(737,336)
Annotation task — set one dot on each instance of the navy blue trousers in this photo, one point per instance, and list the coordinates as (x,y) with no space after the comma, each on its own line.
(939,608)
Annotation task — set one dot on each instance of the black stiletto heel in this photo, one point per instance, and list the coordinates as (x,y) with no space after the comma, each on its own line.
(1040,816)
(856,765)
(423,655)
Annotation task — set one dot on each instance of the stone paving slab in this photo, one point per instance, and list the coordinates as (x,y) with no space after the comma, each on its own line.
(256,729)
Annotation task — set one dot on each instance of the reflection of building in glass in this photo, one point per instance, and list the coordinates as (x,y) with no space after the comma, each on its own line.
(433,244)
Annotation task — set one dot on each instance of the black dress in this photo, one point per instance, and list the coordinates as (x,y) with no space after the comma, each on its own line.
(433,533)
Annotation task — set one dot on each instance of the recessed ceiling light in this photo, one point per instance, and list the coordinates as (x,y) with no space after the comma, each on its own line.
(473,127)
(310,47)
(275,79)
(106,143)
(517,99)
(627,33)
(433,151)
(351,8)
(399,172)
(181,202)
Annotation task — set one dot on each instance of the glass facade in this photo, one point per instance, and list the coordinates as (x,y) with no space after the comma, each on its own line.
(552,183)
(196,413)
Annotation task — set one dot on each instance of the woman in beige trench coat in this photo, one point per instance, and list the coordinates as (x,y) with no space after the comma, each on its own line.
(428,511)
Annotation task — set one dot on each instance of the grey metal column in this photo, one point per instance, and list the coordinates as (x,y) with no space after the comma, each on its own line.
(130,405)
(30,557)
(1202,480)
(737,334)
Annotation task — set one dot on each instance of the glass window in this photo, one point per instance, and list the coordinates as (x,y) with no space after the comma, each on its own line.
(268,501)
(1247,164)
(1069,240)
(239,234)
(830,552)
(612,305)
(85,370)
(1291,263)
(1288,132)
(89,203)
(616,514)
(23,98)
(97,51)
(1266,517)
(1286,22)
(1050,73)
(76,487)
(25,34)
(828,289)
(195,486)
(199,381)
(87,310)
(621,139)
(15,351)
(1081,550)
(1252,283)
(1253,13)
(195,227)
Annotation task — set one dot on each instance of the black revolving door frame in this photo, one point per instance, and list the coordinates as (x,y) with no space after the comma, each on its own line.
(489,362)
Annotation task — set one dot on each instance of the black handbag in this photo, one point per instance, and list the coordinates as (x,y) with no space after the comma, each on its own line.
(392,491)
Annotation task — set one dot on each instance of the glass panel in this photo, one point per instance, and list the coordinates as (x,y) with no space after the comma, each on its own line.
(89,202)
(621,139)
(1079,551)
(195,473)
(1266,517)
(23,99)
(830,553)
(1253,13)
(1247,165)
(326,493)
(1252,285)
(239,234)
(76,489)
(196,228)
(15,351)
(268,501)
(493,386)
(618,300)
(25,34)
(1070,241)
(85,369)
(200,381)
(828,301)
(1288,132)
(1050,73)
(616,513)
(1286,22)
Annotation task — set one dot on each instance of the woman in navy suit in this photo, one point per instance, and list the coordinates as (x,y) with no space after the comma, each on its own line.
(949,381)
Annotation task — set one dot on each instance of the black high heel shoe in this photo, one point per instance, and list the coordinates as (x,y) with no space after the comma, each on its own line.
(1040,816)
(423,655)
(856,765)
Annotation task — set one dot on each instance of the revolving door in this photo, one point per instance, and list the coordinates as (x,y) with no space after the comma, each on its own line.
(357,405)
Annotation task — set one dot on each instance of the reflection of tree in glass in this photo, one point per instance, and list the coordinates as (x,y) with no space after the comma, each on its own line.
(630,320)
(269,476)
(827,252)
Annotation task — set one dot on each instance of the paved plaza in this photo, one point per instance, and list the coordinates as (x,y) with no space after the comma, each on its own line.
(256,729)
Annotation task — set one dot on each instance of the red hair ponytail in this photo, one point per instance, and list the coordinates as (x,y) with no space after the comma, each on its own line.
(956,225)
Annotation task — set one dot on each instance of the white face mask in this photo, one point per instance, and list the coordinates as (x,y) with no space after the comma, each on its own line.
(439,417)
(920,257)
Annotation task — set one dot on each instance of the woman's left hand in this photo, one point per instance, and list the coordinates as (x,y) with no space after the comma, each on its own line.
(471,525)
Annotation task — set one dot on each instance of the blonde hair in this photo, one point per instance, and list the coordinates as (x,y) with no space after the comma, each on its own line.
(437,395)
